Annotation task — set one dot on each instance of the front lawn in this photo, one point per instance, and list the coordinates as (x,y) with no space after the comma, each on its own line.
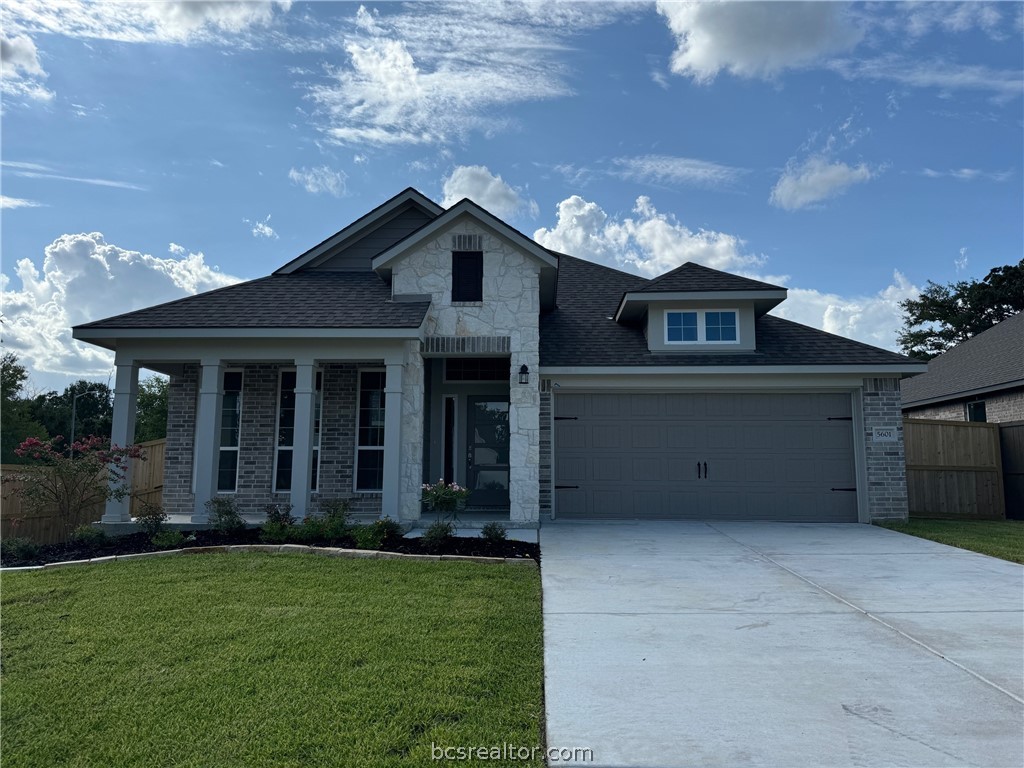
(276,660)
(999,538)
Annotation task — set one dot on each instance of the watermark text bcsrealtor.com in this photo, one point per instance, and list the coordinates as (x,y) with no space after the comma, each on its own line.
(510,753)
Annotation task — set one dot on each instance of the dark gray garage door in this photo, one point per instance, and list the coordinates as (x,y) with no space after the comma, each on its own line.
(701,456)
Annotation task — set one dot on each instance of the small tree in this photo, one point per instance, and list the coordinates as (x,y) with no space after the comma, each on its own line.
(97,473)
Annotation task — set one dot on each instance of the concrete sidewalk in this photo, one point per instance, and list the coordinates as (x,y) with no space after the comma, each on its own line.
(774,644)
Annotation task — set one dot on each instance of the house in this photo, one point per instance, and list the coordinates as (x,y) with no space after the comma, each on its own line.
(981,379)
(420,342)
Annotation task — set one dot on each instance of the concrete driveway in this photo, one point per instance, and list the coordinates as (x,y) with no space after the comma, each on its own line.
(783,645)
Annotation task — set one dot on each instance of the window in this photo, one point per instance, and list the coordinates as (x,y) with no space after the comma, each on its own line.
(681,326)
(720,326)
(370,432)
(477,368)
(976,411)
(467,276)
(286,431)
(230,423)
(702,327)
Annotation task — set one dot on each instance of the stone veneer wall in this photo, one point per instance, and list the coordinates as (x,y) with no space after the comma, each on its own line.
(886,467)
(256,450)
(546,414)
(510,307)
(999,407)
(411,452)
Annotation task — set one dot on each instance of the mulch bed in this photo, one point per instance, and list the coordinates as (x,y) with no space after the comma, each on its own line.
(133,543)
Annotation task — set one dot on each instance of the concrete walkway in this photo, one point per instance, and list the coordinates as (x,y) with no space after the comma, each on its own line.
(781,645)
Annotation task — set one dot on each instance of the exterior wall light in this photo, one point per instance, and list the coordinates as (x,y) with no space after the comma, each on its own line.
(524,374)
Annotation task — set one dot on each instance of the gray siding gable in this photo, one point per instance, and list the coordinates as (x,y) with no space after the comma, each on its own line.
(355,256)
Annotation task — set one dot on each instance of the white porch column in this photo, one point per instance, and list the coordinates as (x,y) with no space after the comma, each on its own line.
(391,492)
(126,390)
(206,441)
(302,442)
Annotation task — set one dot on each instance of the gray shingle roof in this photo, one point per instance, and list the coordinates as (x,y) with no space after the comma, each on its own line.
(299,300)
(697,277)
(992,359)
(580,331)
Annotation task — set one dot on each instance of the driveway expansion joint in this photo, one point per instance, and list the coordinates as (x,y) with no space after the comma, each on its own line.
(875,617)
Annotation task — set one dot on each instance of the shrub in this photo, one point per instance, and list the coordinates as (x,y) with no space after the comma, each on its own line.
(224,515)
(279,514)
(493,532)
(333,509)
(444,498)
(392,528)
(276,533)
(437,535)
(336,518)
(369,536)
(168,539)
(16,549)
(150,518)
(68,480)
(310,530)
(88,537)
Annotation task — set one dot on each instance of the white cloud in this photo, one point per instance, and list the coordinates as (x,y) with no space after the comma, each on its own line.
(968,174)
(21,74)
(666,169)
(922,18)
(17,202)
(177,21)
(85,278)
(873,319)
(261,228)
(1004,84)
(961,261)
(432,73)
(487,190)
(755,39)
(649,243)
(36,171)
(814,180)
(320,179)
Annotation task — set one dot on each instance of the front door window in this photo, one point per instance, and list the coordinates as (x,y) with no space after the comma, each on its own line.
(487,461)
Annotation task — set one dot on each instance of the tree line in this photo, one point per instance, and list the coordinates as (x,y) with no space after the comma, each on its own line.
(48,414)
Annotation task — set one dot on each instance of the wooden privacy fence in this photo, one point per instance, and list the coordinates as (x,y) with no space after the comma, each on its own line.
(1011,437)
(954,469)
(46,526)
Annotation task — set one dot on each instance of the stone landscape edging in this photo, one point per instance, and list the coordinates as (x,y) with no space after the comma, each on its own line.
(355,554)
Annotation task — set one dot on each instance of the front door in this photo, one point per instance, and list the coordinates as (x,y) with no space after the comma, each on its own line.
(487,457)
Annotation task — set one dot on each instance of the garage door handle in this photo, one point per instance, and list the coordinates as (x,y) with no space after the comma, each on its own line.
(705,470)
(840,418)
(698,470)
(563,487)
(842,489)
(566,418)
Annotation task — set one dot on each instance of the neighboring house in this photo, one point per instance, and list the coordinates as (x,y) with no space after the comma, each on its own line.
(981,379)
(420,343)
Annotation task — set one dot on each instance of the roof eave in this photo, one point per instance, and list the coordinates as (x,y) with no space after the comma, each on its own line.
(1015,384)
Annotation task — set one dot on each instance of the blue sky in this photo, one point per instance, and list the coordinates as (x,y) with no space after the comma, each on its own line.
(851,152)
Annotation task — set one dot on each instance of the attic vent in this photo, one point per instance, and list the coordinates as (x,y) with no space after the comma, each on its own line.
(467,242)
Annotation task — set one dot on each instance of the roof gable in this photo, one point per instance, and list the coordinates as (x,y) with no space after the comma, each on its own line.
(698,278)
(994,359)
(407,200)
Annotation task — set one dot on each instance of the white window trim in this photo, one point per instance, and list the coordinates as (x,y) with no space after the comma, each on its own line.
(236,448)
(701,328)
(319,394)
(358,447)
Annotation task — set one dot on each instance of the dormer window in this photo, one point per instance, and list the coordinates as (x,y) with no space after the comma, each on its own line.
(467,276)
(701,327)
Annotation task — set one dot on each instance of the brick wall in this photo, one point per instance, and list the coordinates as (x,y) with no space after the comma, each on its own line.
(182,394)
(545,451)
(1004,406)
(257,440)
(886,468)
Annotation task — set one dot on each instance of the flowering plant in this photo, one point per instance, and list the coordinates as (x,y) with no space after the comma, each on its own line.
(444,497)
(69,481)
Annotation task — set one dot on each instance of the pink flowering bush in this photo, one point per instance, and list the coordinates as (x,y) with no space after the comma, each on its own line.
(90,474)
(445,499)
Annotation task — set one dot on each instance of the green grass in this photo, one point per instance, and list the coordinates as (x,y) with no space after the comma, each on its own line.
(252,660)
(999,538)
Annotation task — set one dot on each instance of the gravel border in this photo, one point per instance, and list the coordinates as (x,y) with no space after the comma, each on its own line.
(356,554)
